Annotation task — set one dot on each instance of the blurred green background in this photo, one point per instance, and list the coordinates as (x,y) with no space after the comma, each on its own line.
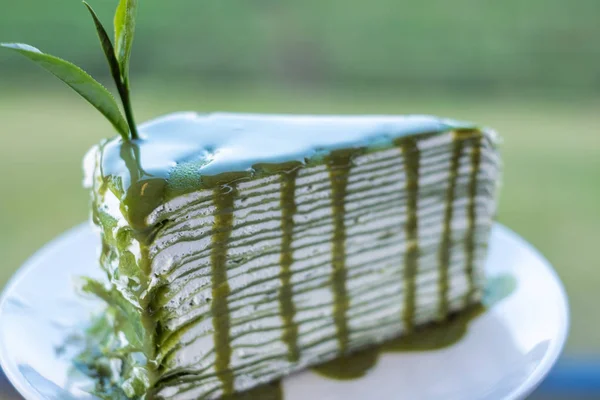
(530,69)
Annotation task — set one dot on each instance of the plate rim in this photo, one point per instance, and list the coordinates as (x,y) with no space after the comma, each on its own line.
(557,346)
(535,378)
(21,385)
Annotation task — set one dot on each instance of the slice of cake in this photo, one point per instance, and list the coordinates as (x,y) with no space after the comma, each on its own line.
(241,248)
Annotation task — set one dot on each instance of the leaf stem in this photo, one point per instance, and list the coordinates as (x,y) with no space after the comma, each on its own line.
(125,94)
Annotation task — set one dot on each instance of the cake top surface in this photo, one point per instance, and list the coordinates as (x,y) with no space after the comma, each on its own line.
(183,152)
(224,142)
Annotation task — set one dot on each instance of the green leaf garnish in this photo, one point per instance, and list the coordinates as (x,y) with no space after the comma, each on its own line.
(80,81)
(107,46)
(124,33)
(118,60)
(117,363)
(126,312)
(116,70)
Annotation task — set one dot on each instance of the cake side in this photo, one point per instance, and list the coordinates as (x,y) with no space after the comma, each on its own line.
(246,281)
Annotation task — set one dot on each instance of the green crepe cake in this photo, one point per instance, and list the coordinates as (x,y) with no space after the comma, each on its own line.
(243,248)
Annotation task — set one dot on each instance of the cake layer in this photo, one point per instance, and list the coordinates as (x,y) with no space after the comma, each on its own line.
(245,281)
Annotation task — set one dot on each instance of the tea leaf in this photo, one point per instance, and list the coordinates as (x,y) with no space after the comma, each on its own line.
(115,69)
(80,81)
(124,33)
(107,46)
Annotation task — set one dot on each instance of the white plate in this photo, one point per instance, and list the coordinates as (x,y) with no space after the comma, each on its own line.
(505,355)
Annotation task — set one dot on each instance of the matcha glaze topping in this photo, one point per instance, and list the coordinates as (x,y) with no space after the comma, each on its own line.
(184,152)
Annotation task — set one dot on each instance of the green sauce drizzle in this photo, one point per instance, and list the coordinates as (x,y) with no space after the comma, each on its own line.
(412,156)
(349,367)
(472,213)
(433,336)
(223,200)
(446,243)
(143,191)
(339,168)
(288,309)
